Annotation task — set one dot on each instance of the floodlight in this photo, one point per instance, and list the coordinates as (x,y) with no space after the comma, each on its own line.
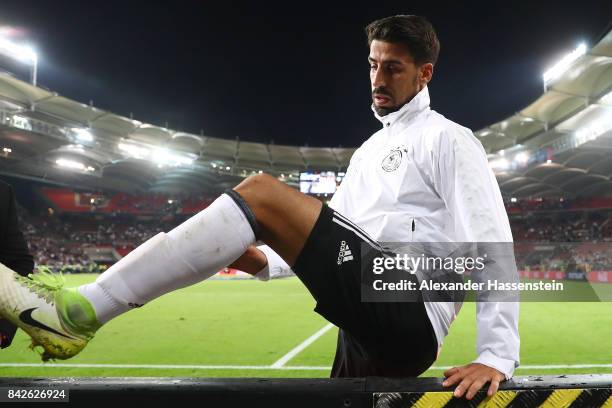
(83,135)
(500,164)
(521,158)
(21,53)
(563,64)
(21,122)
(164,157)
(73,165)
(138,152)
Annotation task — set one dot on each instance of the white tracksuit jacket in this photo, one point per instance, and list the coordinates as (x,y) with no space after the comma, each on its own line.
(424,178)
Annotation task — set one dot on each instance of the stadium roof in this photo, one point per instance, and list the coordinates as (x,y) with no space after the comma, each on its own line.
(560,144)
(41,127)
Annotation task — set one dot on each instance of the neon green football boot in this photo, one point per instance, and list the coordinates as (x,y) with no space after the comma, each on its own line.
(58,319)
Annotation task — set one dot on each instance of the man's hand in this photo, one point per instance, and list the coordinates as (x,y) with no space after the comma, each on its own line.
(4,340)
(251,262)
(471,378)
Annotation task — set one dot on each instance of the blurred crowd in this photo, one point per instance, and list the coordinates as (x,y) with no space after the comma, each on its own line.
(61,242)
(556,204)
(574,257)
(68,241)
(591,226)
(538,204)
(122,203)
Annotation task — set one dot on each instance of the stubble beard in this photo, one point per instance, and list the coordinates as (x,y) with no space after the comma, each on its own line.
(384,111)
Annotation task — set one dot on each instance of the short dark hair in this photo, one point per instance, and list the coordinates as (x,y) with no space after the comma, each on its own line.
(415,32)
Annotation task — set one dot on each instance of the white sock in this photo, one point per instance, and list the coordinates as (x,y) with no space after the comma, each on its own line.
(190,253)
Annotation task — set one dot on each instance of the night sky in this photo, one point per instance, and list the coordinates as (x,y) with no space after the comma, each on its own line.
(292,72)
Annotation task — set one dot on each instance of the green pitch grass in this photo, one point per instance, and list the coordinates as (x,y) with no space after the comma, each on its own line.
(252,323)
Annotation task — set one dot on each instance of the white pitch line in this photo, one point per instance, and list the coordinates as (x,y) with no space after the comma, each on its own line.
(284,359)
(162,366)
(259,367)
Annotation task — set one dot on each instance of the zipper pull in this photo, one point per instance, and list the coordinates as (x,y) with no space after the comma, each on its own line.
(412,225)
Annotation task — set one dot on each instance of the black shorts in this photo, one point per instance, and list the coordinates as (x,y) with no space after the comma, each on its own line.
(390,339)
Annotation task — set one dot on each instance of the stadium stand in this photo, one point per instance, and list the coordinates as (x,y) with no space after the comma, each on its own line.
(87,232)
(65,200)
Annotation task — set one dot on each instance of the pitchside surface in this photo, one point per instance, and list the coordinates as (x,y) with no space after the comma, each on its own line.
(268,329)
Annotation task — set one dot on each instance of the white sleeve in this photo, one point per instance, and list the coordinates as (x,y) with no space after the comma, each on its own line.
(471,193)
(276,265)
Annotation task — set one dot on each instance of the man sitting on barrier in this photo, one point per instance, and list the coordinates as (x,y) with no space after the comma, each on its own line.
(396,338)
(422,177)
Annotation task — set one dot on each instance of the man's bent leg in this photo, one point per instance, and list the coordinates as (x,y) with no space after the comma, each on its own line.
(190,253)
(206,243)
(286,216)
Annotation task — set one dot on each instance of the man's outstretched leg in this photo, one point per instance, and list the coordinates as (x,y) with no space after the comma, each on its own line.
(62,320)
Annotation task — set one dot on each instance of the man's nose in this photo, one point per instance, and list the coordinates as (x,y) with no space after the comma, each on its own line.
(377,77)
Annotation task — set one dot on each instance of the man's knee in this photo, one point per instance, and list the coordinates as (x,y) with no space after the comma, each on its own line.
(259,189)
(260,184)
(257,181)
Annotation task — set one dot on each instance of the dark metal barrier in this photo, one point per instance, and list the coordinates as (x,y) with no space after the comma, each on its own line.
(534,391)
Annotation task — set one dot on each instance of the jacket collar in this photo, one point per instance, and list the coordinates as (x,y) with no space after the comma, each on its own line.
(409,110)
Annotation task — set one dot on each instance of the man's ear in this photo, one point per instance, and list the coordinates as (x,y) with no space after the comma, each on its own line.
(425,73)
